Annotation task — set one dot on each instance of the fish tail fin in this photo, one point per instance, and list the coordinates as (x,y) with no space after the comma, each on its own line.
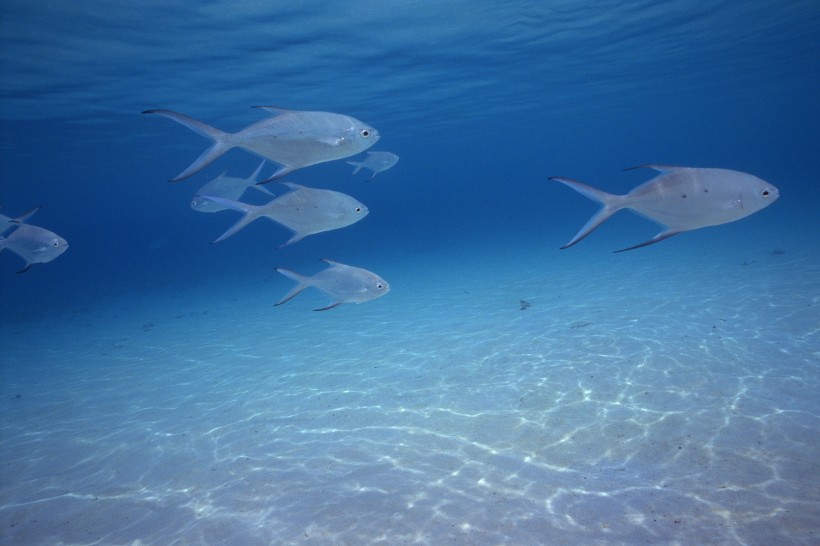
(611,204)
(255,176)
(222,141)
(357,164)
(302,283)
(253,181)
(249,214)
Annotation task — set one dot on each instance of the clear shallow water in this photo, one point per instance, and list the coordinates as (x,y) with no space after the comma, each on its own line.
(152,394)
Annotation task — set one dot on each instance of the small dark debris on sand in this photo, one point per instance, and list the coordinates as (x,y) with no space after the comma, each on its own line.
(778,252)
(524,305)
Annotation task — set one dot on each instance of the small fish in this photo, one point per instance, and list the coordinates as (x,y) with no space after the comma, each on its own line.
(681,199)
(34,244)
(302,210)
(343,283)
(291,138)
(228,187)
(376,162)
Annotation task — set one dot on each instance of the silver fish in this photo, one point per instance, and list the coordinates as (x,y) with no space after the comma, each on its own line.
(303,210)
(681,199)
(376,162)
(228,187)
(292,138)
(34,244)
(343,283)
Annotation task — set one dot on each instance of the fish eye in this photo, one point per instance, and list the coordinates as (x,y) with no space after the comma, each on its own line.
(379,285)
(358,210)
(55,244)
(765,193)
(365,133)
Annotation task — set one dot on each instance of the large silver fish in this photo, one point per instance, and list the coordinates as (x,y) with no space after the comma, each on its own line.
(376,162)
(292,138)
(34,244)
(302,210)
(681,199)
(343,283)
(228,187)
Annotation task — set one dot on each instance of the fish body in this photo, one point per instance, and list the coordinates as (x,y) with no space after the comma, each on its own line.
(305,211)
(228,187)
(681,199)
(376,162)
(343,283)
(291,138)
(34,244)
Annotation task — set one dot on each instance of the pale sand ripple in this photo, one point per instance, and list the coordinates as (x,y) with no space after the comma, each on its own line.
(613,410)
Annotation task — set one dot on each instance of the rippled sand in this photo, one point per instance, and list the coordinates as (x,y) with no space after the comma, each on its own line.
(633,401)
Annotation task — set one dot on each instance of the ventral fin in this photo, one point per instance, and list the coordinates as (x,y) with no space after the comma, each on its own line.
(656,239)
(284,170)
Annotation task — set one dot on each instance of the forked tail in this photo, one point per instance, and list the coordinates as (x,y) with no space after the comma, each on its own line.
(222,141)
(357,164)
(611,204)
(249,213)
(301,283)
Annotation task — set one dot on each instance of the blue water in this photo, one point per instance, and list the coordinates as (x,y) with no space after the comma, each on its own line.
(152,394)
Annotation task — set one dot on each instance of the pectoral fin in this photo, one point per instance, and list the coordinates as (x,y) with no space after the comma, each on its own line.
(357,164)
(332,141)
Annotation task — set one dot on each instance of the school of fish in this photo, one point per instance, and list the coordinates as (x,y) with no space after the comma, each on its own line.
(679,198)
(294,140)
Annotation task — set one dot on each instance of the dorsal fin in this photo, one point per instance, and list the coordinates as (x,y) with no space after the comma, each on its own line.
(275,110)
(26,215)
(659,168)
